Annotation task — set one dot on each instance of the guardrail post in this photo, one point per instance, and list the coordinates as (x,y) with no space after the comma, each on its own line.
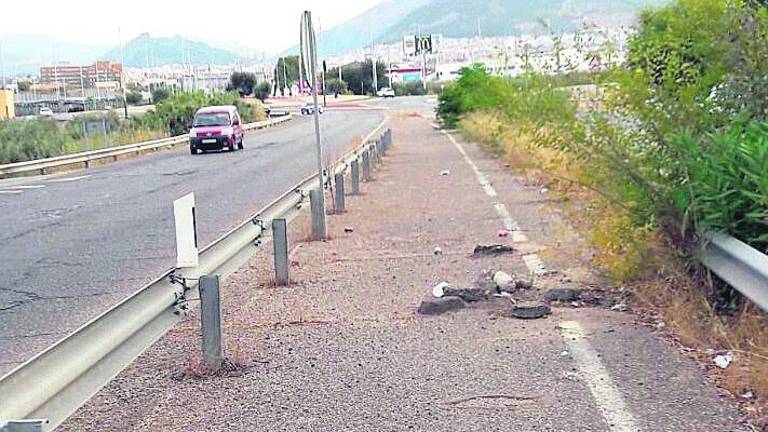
(366,166)
(213,353)
(340,204)
(280,241)
(318,216)
(354,177)
(87,164)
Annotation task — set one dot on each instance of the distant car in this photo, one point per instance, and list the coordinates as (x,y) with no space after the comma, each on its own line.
(46,112)
(386,92)
(216,128)
(309,108)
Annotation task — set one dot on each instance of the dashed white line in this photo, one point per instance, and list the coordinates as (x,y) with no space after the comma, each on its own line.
(594,374)
(535,264)
(532,261)
(11,192)
(510,224)
(487,187)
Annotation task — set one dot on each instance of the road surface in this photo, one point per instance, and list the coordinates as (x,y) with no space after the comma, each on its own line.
(71,246)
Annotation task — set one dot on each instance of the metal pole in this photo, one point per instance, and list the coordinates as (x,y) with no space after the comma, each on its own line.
(340,204)
(280,241)
(317,205)
(210,317)
(355,177)
(122,73)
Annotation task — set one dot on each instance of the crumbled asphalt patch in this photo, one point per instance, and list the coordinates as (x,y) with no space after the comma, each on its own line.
(438,306)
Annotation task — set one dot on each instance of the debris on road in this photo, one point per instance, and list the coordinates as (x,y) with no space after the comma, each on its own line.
(508,283)
(530,310)
(492,250)
(438,290)
(349,230)
(504,233)
(620,307)
(445,173)
(471,295)
(724,361)
(563,295)
(438,250)
(439,306)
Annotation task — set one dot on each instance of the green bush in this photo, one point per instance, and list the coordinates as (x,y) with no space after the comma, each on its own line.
(32,139)
(262,91)
(670,145)
(409,89)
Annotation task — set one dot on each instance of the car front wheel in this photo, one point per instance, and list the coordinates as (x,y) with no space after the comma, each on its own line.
(192,150)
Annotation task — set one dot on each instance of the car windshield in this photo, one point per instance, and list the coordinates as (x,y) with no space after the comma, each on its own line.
(211,119)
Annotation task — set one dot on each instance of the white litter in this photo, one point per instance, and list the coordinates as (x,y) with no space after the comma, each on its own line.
(438,250)
(724,361)
(439,289)
(445,173)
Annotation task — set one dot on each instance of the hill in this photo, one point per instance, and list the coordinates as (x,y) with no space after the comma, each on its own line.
(392,20)
(23,54)
(146,50)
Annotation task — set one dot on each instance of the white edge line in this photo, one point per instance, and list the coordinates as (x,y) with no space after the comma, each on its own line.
(594,374)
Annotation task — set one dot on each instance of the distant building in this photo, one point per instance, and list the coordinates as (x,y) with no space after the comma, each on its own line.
(404,74)
(7,111)
(102,74)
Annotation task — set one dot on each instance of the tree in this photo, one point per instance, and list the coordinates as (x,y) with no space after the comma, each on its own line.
(287,74)
(262,91)
(242,82)
(134,97)
(24,86)
(359,76)
(335,85)
(160,94)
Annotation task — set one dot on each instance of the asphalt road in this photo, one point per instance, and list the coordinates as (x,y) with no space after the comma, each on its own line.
(73,245)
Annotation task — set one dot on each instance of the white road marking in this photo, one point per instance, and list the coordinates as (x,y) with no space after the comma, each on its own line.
(535,264)
(11,192)
(510,224)
(532,261)
(593,373)
(69,179)
(27,187)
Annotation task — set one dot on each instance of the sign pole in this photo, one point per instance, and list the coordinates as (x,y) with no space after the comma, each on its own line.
(309,60)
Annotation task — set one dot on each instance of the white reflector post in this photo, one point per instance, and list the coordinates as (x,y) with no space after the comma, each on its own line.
(186,232)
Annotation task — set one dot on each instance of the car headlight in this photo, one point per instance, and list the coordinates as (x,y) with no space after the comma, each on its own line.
(193,134)
(226,131)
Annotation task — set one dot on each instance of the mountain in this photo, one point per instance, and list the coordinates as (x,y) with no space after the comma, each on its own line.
(391,21)
(146,50)
(24,54)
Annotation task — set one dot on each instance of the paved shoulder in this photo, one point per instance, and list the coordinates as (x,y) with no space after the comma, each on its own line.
(343,348)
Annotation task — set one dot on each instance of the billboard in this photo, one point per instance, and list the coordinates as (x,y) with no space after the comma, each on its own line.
(417,45)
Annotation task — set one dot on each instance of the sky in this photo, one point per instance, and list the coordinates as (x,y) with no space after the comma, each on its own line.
(270,26)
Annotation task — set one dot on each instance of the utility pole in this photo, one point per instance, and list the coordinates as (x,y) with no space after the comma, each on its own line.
(122,73)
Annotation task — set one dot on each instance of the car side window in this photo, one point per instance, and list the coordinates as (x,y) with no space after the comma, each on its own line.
(236,120)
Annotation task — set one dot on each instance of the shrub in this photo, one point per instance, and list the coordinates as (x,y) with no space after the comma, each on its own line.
(409,89)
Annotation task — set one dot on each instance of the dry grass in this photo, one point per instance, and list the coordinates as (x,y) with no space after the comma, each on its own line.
(667,293)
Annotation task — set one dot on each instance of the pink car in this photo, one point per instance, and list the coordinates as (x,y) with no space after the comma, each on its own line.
(216,128)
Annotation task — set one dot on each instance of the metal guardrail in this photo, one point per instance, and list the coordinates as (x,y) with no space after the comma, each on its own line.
(55,383)
(42,165)
(738,264)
